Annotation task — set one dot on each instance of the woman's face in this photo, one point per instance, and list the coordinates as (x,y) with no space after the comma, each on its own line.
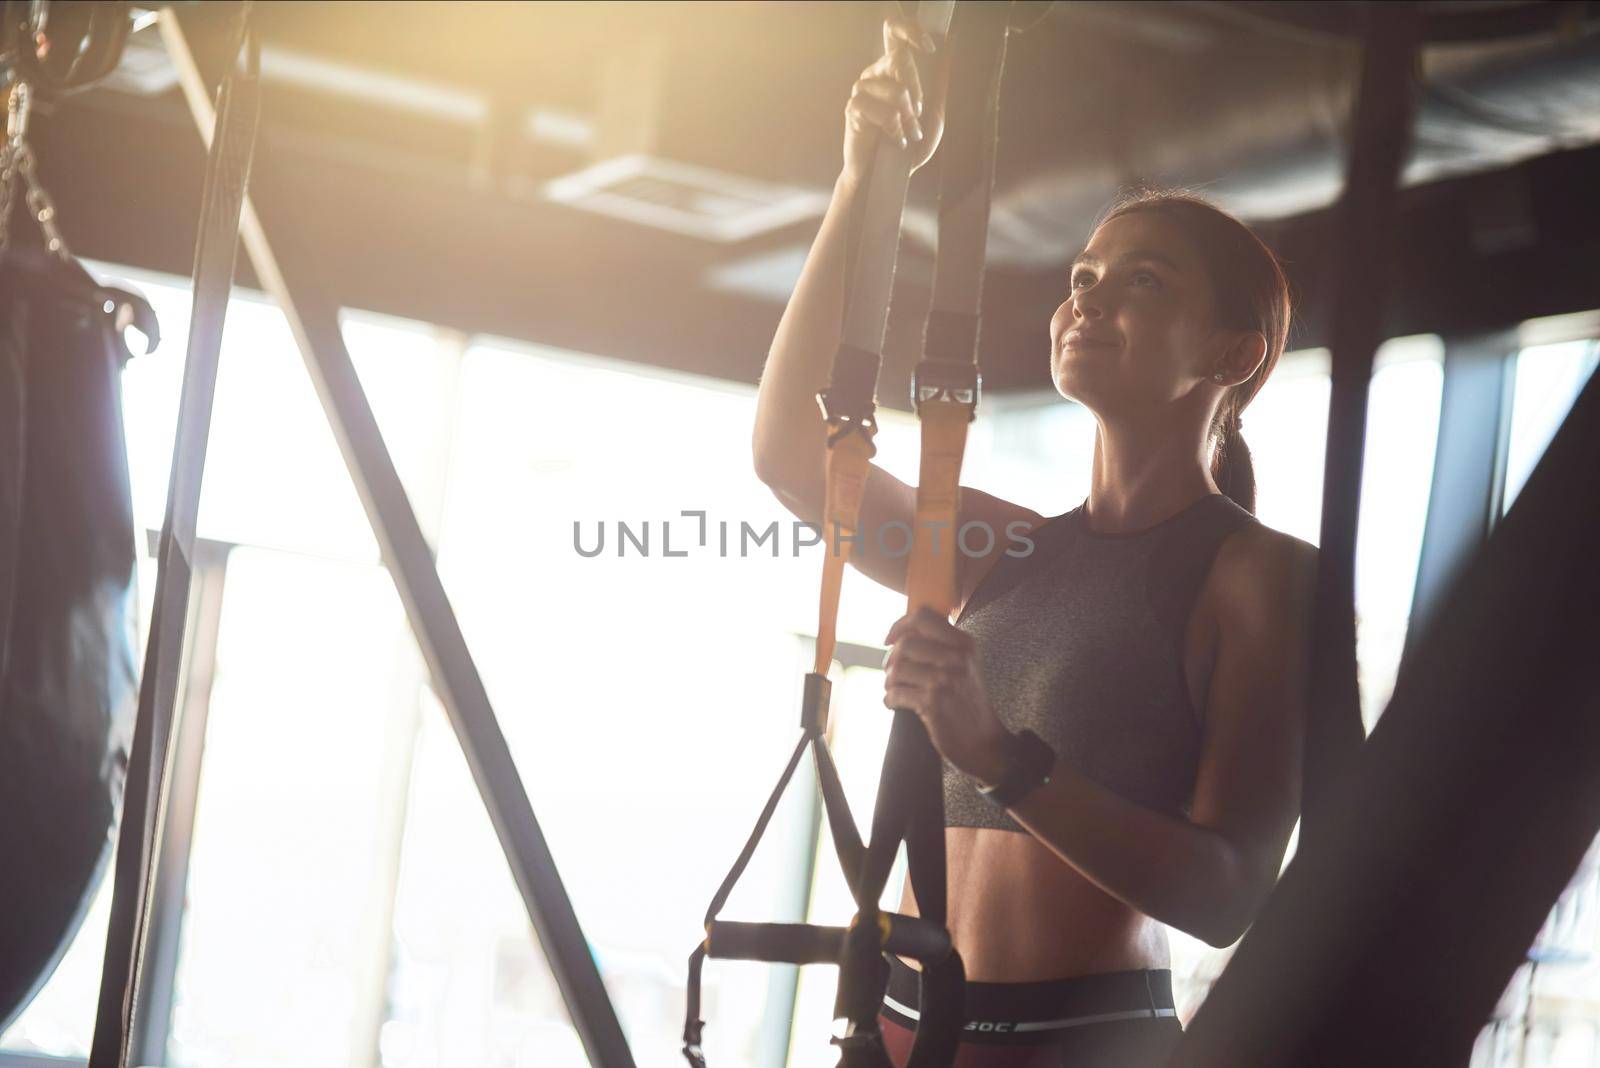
(1136,331)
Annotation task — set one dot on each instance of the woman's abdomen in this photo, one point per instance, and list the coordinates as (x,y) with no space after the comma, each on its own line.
(1019,913)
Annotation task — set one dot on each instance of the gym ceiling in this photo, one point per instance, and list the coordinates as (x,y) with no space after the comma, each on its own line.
(642,180)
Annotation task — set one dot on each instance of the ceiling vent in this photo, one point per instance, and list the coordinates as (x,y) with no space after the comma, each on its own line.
(685,199)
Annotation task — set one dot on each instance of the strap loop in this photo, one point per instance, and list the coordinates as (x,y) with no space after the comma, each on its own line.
(814,703)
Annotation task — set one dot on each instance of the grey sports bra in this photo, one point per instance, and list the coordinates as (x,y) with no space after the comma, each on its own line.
(1082,642)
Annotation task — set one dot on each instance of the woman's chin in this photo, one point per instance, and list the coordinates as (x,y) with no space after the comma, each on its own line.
(1068,381)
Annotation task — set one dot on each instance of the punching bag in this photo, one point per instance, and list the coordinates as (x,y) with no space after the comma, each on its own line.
(68,609)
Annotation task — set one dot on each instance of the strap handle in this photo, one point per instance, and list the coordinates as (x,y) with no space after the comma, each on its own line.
(842,826)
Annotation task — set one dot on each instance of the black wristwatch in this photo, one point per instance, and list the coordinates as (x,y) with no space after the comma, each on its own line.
(1029,762)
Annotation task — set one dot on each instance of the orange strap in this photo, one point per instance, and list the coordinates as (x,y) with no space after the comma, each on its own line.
(931,573)
(849,459)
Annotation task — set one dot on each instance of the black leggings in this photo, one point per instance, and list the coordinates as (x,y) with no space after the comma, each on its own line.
(1106,1020)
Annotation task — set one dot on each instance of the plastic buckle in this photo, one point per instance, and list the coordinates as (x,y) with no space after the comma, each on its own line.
(814,703)
(862,1047)
(843,420)
(948,382)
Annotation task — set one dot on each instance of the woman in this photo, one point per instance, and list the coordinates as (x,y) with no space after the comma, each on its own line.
(1153,641)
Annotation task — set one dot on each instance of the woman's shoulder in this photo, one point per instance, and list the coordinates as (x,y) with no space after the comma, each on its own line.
(1004,525)
(976,505)
(1260,572)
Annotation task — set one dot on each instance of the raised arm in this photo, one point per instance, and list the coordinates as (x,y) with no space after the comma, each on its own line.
(790,440)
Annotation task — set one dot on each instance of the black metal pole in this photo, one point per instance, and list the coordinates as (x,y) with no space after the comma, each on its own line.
(233,131)
(288,268)
(1380,135)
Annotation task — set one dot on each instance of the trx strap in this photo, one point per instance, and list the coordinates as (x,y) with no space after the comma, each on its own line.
(222,199)
(945,392)
(945,385)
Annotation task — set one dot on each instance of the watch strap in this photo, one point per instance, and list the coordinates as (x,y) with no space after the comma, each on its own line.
(1029,763)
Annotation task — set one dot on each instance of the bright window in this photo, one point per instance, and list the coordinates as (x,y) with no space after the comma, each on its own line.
(1548,379)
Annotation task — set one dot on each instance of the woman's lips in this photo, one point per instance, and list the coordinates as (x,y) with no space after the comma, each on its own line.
(1076,339)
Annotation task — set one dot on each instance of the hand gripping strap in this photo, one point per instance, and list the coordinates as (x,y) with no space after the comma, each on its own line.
(873,242)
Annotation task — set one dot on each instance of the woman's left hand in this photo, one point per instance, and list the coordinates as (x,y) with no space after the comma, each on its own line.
(933,671)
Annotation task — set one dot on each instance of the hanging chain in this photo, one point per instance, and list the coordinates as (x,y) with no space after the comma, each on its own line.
(17,100)
(7,172)
(40,205)
(17,161)
(16,156)
(16,123)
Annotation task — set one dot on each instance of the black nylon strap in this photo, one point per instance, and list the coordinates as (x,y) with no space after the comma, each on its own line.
(851,395)
(951,337)
(227,175)
(966,163)
(846,838)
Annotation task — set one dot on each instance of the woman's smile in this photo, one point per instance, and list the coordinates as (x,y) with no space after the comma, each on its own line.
(1079,338)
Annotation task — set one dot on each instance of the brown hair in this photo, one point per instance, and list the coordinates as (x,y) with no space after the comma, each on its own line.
(1250,292)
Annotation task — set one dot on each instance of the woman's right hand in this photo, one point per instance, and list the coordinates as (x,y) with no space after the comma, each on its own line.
(888,102)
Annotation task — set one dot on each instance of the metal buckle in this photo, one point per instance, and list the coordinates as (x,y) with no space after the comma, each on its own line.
(947,382)
(841,422)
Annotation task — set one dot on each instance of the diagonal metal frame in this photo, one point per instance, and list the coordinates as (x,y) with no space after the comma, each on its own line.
(1469,470)
(288,270)
(1390,938)
(1442,844)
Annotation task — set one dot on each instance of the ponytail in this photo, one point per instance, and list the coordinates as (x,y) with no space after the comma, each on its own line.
(1232,469)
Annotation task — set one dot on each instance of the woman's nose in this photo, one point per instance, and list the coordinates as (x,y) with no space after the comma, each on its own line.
(1086,306)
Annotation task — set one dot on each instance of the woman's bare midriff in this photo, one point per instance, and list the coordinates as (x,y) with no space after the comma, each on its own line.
(1019,913)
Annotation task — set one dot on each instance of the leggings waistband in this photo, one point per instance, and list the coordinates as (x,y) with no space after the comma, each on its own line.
(1045,1005)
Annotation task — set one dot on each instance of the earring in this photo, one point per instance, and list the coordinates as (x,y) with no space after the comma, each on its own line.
(1217,377)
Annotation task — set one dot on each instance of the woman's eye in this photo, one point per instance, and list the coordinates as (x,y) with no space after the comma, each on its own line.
(1145,278)
(1082,279)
